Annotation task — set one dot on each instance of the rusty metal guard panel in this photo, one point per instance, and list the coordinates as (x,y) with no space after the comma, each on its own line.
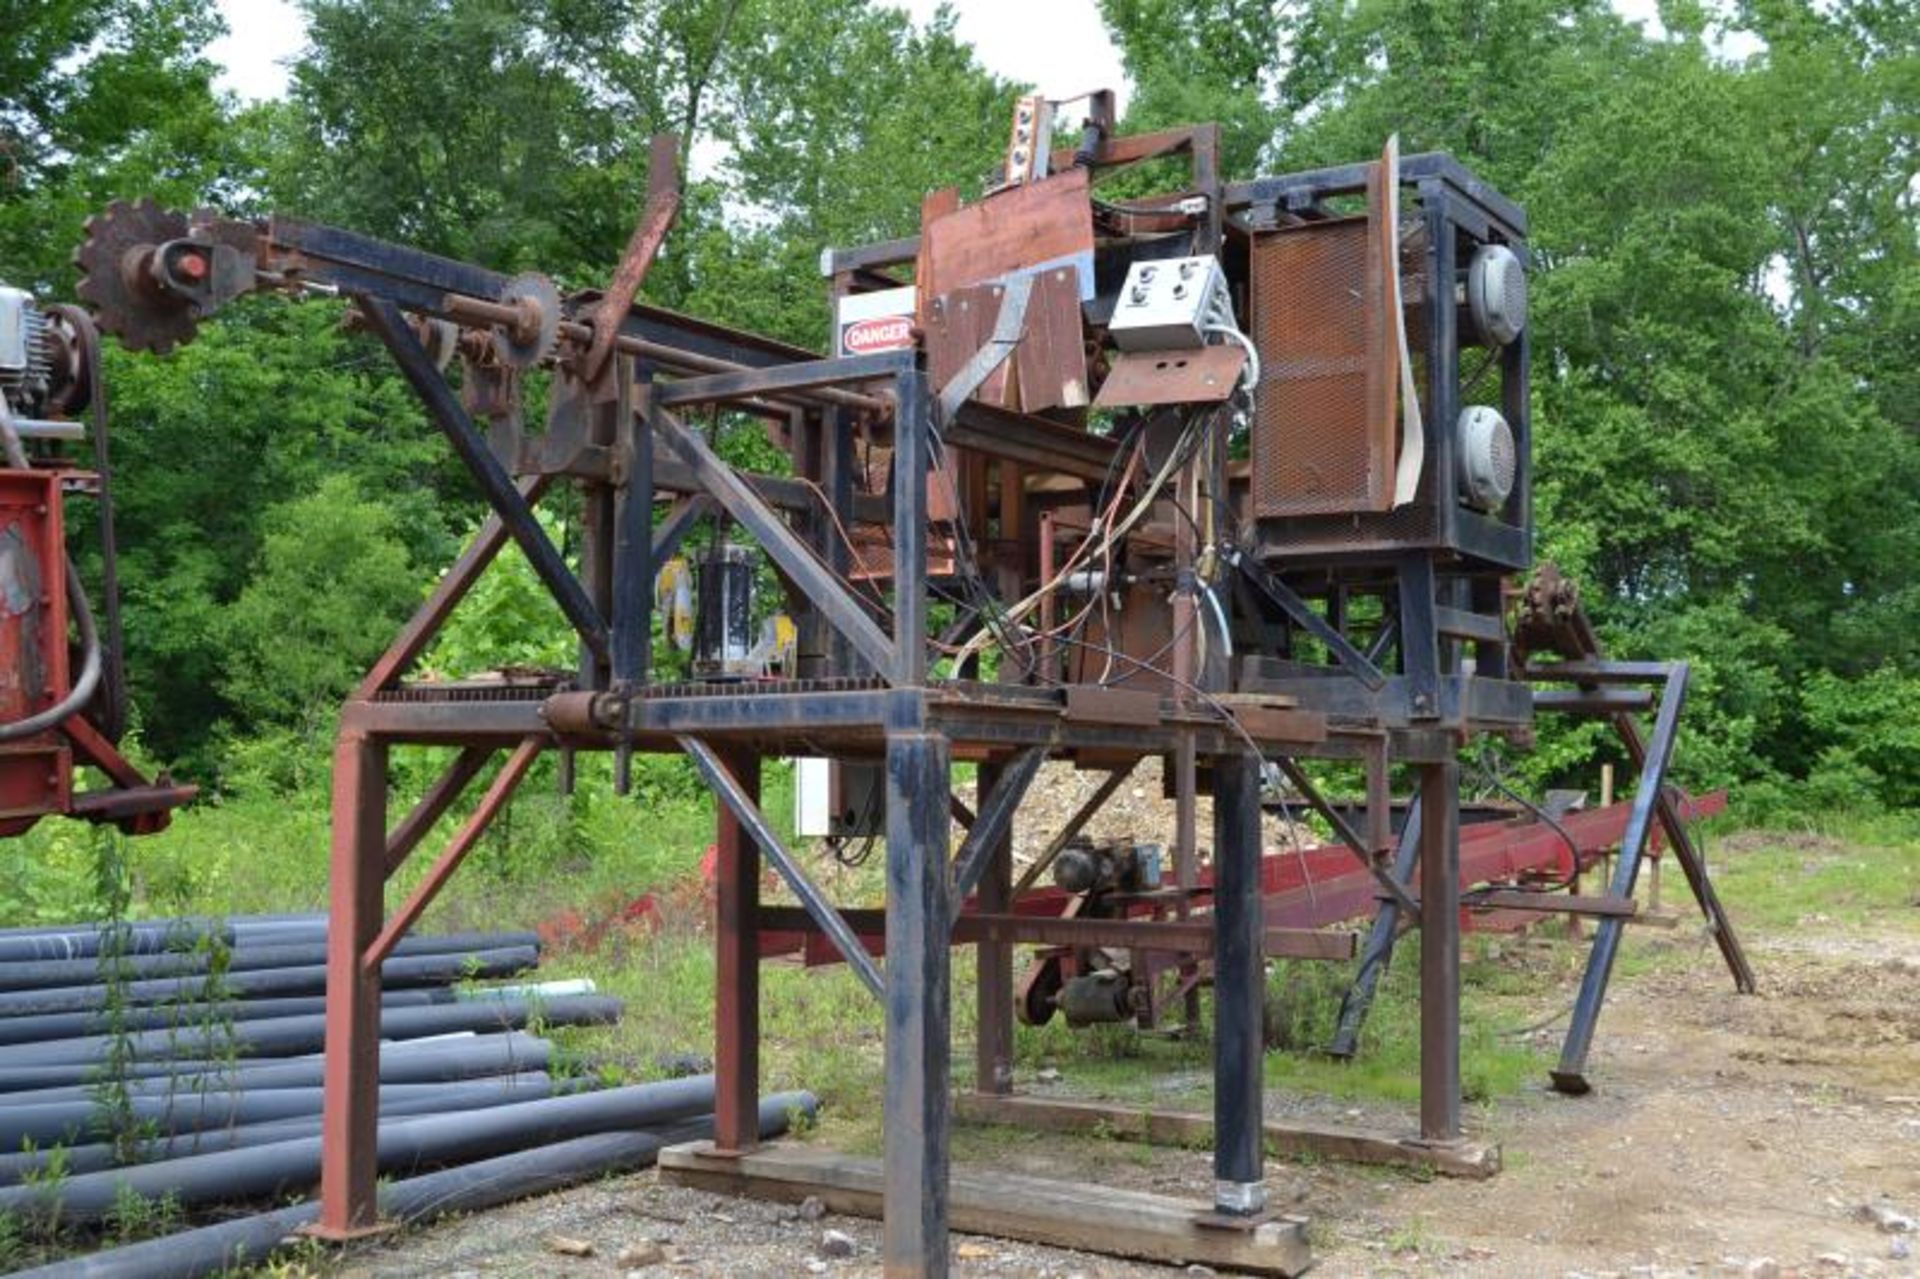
(1324,430)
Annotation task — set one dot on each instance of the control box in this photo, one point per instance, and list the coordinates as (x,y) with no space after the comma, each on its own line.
(1169,305)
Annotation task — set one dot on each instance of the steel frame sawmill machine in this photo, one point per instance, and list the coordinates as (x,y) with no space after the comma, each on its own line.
(1235,477)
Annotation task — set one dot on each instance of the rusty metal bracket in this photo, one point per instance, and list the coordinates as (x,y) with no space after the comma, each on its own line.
(1007,328)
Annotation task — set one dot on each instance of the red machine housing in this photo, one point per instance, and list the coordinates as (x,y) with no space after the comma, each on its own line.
(36,774)
(36,671)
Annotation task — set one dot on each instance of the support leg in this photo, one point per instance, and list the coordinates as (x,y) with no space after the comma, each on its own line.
(736,1056)
(348,1169)
(914,1243)
(1239,987)
(1570,1076)
(1440,952)
(993,964)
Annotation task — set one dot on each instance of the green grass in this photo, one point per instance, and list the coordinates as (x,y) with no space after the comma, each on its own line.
(1862,874)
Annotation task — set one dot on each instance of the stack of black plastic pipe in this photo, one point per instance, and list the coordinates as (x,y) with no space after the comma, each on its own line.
(178,1061)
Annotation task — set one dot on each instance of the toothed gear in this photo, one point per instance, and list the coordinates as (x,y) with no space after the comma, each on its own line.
(530,287)
(142,317)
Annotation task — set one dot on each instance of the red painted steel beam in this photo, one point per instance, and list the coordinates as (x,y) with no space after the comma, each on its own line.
(349,1204)
(505,782)
(1309,888)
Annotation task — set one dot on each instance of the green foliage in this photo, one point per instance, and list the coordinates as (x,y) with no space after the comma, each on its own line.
(99,99)
(1870,727)
(508,618)
(331,587)
(268,405)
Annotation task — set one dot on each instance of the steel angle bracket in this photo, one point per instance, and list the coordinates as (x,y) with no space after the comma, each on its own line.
(1203,375)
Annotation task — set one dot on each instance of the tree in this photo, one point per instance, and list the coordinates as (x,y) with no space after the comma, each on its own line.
(265,405)
(100,99)
(332,584)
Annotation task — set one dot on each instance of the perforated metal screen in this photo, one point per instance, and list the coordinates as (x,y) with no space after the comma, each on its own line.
(1324,430)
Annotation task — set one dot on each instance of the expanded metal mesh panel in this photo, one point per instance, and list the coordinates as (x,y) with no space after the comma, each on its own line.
(1323,435)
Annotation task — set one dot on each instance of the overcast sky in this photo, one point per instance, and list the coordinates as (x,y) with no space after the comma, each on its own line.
(1059,46)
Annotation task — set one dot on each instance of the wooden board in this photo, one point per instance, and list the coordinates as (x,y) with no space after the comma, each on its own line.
(1089,1218)
(1173,1128)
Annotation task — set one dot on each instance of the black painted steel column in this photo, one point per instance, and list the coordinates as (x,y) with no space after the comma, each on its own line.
(736,936)
(1239,986)
(918,1014)
(1440,951)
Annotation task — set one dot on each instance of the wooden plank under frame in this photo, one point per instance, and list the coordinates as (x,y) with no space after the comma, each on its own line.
(1088,1218)
(1172,1128)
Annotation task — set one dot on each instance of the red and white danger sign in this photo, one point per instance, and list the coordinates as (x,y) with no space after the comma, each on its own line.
(878,321)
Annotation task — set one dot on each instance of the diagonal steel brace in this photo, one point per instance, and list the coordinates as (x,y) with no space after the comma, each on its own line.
(783,546)
(995,819)
(495,484)
(823,912)
(1357,664)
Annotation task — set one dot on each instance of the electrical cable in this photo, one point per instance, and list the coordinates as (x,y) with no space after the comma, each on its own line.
(1490,773)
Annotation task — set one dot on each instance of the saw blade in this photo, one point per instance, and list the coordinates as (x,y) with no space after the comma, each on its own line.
(143,318)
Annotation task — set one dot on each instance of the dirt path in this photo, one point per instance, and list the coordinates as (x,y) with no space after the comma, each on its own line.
(1729,1134)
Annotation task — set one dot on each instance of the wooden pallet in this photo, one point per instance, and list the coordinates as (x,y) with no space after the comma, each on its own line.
(1085,1217)
(1172,1128)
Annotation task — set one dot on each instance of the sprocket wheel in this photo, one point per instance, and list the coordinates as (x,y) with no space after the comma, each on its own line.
(113,282)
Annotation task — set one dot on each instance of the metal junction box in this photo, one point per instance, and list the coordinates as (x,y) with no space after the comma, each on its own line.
(1170,305)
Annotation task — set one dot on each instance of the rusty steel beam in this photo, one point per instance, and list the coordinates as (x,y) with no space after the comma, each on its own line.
(444,408)
(663,203)
(782,545)
(433,805)
(446,595)
(995,820)
(349,1204)
(724,784)
(1350,838)
(504,784)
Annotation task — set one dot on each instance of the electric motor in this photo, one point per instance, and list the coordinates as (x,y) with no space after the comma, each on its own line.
(25,348)
(1497,294)
(723,629)
(1488,457)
